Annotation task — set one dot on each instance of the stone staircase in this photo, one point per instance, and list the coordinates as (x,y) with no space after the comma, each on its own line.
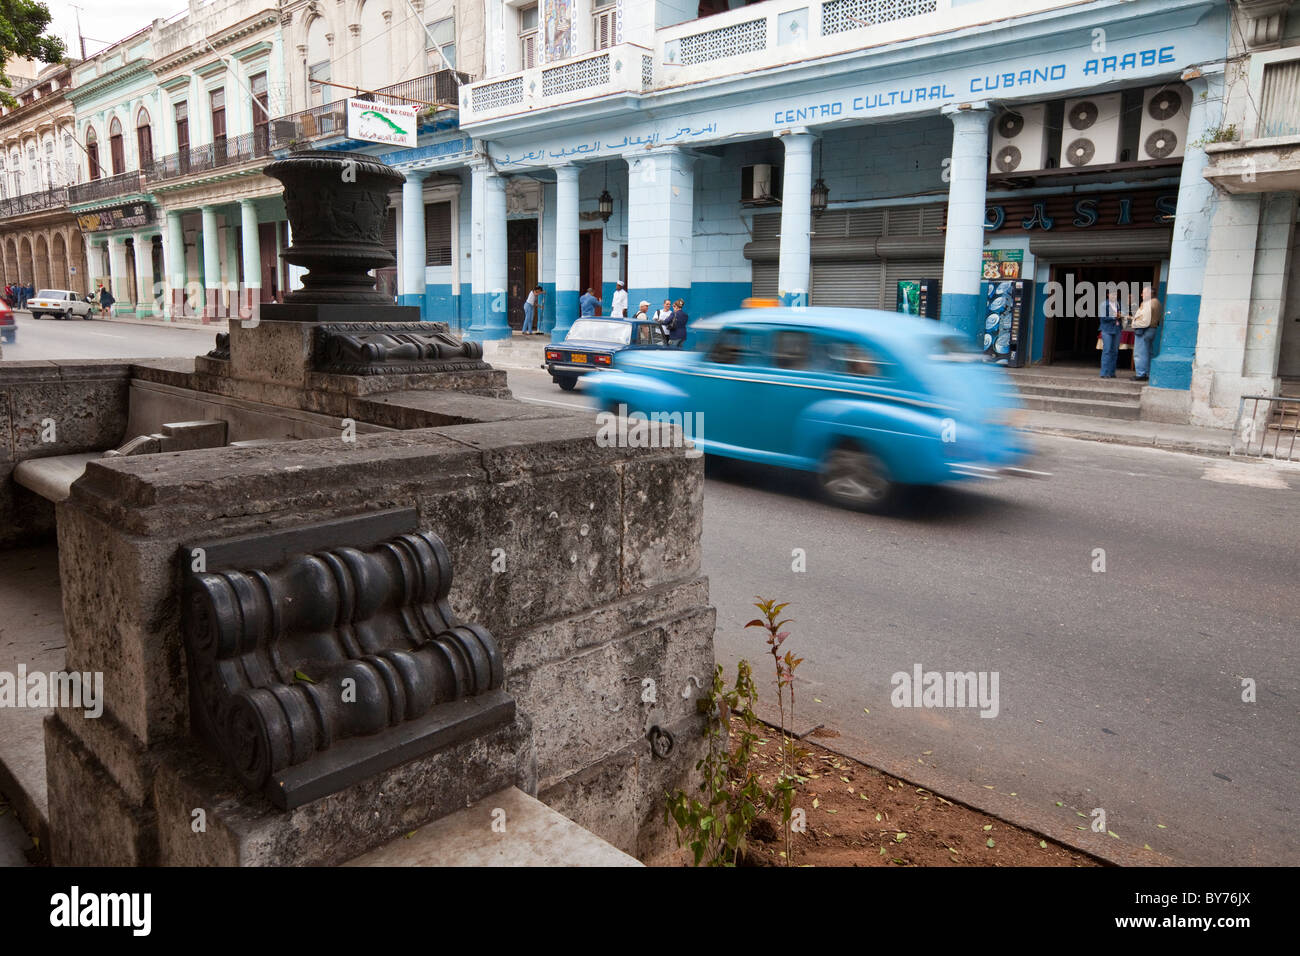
(1078,392)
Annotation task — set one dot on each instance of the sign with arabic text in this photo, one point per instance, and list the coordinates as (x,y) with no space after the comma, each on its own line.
(375,122)
(131,216)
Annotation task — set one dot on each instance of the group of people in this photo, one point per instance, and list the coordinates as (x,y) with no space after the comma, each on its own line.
(16,296)
(1141,325)
(672,318)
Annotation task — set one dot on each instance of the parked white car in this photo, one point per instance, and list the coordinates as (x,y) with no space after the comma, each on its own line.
(59,303)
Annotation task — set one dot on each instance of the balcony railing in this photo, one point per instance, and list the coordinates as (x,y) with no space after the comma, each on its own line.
(331,119)
(624,68)
(34,202)
(123,184)
(227,151)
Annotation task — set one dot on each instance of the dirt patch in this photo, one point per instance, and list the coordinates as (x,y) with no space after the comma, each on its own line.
(857,816)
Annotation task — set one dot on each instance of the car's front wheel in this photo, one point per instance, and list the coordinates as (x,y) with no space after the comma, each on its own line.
(853,477)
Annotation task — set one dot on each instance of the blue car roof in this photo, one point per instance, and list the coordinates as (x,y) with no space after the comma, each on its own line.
(875,323)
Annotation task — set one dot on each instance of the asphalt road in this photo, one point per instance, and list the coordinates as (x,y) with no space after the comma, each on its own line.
(42,339)
(1120,690)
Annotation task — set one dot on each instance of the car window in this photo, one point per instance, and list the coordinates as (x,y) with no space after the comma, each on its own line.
(952,348)
(791,349)
(49,294)
(732,347)
(594,330)
(849,358)
(645,334)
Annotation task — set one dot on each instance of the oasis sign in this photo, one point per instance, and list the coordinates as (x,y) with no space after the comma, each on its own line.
(1094,211)
(382,123)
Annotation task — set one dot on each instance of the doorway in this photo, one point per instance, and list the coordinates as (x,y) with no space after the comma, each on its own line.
(1071,336)
(591,253)
(521,267)
(266,250)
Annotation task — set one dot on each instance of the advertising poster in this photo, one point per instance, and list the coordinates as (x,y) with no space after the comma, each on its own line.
(1000,264)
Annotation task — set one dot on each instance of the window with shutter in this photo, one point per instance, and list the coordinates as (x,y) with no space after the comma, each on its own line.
(605,25)
(437,234)
(528,36)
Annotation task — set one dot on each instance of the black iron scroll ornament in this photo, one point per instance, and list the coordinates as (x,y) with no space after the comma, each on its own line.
(333,664)
(388,348)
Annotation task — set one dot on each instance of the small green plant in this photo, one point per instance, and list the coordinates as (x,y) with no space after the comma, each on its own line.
(715,827)
(1224,134)
(791,754)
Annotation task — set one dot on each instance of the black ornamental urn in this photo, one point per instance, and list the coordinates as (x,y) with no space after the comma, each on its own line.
(338,205)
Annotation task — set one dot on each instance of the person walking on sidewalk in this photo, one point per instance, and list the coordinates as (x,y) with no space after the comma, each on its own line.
(1110,332)
(106,300)
(618,309)
(1146,320)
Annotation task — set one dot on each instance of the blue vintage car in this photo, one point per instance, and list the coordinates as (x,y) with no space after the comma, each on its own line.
(590,345)
(869,400)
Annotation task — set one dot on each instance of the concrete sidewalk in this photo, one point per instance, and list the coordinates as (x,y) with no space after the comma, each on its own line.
(1184,438)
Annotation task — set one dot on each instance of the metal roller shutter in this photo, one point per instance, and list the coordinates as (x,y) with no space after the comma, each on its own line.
(845,285)
(766,272)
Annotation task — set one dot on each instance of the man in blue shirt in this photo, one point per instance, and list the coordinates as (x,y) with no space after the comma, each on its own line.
(587,305)
(1110,331)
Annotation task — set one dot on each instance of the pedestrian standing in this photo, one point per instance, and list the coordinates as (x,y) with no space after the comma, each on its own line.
(530,309)
(1110,332)
(587,305)
(1145,322)
(106,300)
(677,325)
(618,309)
(664,317)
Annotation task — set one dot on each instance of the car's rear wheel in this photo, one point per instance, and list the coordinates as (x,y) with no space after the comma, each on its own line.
(38,315)
(567,382)
(854,478)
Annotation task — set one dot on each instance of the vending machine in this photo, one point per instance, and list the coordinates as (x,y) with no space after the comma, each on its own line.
(1008,315)
(918,297)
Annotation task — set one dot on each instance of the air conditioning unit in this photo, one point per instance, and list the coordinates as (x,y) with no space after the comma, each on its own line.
(1019,140)
(760,185)
(1165,111)
(1090,131)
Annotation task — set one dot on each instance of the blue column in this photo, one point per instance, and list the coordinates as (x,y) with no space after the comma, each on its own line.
(410,273)
(1172,367)
(495,257)
(566,250)
(660,207)
(796,219)
(963,250)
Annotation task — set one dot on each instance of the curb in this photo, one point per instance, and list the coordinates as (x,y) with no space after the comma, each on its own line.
(1186,446)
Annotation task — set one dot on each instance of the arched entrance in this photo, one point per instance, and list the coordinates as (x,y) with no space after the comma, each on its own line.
(25,271)
(11,262)
(80,282)
(42,263)
(59,262)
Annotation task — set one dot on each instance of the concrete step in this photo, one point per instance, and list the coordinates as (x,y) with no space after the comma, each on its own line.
(1123,383)
(1099,393)
(1128,411)
(509,828)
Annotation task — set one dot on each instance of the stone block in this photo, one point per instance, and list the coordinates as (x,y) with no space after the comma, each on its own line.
(663,515)
(242,829)
(274,352)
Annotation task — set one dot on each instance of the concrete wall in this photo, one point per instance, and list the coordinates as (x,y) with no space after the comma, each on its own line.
(601,589)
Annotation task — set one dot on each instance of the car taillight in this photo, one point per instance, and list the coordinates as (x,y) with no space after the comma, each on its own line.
(601,359)
(553,356)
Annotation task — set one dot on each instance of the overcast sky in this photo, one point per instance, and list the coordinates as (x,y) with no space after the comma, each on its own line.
(106,20)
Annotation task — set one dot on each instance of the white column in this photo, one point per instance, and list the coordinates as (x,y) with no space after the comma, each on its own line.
(410,272)
(963,251)
(250,296)
(477,200)
(796,219)
(495,256)
(567,265)
(211,263)
(117,282)
(144,290)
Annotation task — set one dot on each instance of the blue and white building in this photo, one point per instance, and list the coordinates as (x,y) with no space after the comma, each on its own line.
(678,149)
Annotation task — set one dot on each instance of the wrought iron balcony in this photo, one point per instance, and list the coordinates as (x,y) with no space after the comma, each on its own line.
(226,151)
(331,119)
(108,187)
(34,202)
